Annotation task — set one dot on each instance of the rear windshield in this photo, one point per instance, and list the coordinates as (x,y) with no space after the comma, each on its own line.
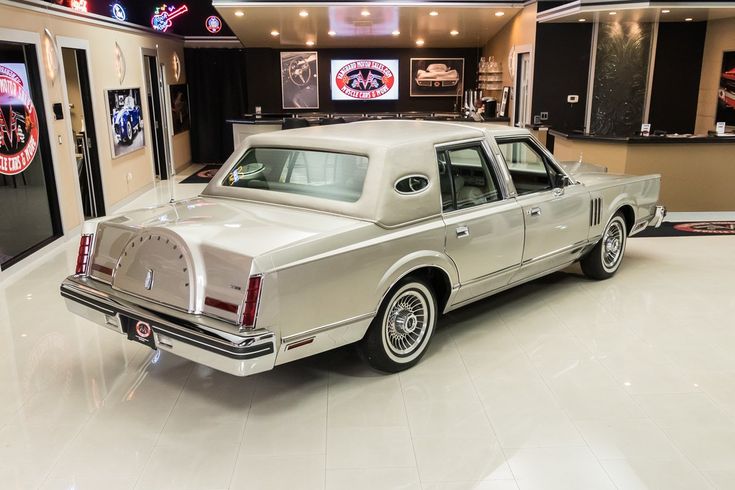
(327,175)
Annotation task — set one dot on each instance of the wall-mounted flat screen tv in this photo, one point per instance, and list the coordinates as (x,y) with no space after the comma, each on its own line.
(364,80)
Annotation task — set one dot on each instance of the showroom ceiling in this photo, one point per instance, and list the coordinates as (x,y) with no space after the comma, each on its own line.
(642,11)
(325,25)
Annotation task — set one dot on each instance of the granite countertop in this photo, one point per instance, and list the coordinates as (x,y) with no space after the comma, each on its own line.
(644,140)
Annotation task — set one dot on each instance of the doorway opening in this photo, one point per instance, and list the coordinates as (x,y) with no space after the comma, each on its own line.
(522,111)
(154,87)
(76,72)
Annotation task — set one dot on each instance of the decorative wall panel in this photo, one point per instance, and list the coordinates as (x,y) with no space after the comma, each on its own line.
(621,73)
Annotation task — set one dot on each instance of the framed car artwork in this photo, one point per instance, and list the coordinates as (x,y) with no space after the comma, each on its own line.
(726,90)
(437,77)
(300,80)
(125,119)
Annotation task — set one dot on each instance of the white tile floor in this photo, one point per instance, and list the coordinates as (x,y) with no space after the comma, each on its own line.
(563,383)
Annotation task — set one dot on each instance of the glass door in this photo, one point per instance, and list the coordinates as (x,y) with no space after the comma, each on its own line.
(29,212)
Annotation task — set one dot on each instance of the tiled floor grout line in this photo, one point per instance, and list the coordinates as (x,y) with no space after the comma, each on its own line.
(630,396)
(158,436)
(242,435)
(82,426)
(554,395)
(408,426)
(484,410)
(330,375)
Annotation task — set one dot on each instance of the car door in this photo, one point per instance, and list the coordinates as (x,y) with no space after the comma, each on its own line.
(555,210)
(484,227)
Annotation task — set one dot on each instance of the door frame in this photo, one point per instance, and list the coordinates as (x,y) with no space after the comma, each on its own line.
(513,68)
(34,38)
(83,45)
(165,104)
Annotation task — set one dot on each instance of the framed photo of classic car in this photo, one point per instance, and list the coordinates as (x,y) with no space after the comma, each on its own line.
(180,107)
(726,90)
(300,80)
(437,77)
(125,119)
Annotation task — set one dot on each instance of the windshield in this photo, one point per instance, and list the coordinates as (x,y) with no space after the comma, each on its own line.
(327,175)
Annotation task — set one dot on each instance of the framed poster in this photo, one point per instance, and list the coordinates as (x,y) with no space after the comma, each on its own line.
(300,80)
(437,77)
(503,109)
(125,116)
(364,80)
(726,91)
(180,108)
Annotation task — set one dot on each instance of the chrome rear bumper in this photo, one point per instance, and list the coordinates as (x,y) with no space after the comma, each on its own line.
(183,335)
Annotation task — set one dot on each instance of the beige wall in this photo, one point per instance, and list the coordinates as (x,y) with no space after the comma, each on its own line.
(519,31)
(720,37)
(139,165)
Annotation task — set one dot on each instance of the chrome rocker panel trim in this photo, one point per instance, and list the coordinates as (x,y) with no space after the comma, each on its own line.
(240,355)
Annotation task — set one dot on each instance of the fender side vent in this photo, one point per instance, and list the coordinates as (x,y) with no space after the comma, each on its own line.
(595,211)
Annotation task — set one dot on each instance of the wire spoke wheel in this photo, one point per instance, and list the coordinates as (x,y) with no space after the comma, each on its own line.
(406,322)
(613,244)
(401,331)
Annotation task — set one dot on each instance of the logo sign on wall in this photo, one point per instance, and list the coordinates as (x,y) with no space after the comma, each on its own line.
(364,80)
(18,124)
(213,24)
(118,12)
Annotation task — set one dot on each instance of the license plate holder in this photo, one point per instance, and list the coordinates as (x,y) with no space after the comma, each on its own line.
(139,331)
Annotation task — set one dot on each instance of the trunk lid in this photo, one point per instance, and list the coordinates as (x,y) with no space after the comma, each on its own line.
(183,253)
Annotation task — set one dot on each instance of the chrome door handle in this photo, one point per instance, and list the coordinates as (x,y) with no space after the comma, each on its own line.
(463,232)
(534,211)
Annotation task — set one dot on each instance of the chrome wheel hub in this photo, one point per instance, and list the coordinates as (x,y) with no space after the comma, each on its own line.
(406,322)
(613,244)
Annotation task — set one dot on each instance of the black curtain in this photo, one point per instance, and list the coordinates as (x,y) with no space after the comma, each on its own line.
(217,92)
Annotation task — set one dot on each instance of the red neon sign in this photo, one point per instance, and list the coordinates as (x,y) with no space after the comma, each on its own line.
(79,5)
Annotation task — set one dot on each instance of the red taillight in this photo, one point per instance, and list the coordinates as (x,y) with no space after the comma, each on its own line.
(250,309)
(85,249)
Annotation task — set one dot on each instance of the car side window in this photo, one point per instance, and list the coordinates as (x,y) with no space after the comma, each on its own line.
(466,178)
(528,168)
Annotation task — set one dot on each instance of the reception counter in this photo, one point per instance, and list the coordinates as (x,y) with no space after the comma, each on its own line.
(697,172)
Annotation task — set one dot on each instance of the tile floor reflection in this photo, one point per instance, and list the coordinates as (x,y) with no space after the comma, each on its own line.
(562,383)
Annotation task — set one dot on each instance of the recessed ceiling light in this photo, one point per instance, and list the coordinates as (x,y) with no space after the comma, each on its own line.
(396,33)
(365,13)
(239,13)
(582,20)
(274,33)
(433,13)
(309,43)
(454,32)
(499,14)
(332,33)
(665,11)
(303,13)
(419,42)
(613,13)
(688,19)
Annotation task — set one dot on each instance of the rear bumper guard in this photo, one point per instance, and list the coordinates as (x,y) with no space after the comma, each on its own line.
(240,355)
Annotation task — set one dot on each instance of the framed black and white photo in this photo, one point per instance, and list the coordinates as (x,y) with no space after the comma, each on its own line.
(726,90)
(437,77)
(300,80)
(125,119)
(180,108)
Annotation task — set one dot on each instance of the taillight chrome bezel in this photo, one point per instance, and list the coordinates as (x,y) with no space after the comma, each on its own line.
(84,254)
(251,305)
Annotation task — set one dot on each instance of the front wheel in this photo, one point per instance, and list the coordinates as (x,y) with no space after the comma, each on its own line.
(605,258)
(401,331)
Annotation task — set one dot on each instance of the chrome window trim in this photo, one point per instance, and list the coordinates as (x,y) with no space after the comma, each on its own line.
(543,151)
(505,192)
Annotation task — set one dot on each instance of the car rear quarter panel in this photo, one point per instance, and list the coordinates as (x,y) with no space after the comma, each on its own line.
(332,287)
(639,193)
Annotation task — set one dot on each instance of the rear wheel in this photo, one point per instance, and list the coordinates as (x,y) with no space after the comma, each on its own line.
(604,260)
(402,329)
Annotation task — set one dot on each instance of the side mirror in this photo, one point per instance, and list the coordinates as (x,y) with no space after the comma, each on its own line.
(561,181)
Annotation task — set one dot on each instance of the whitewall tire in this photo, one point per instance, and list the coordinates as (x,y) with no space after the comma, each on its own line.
(604,260)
